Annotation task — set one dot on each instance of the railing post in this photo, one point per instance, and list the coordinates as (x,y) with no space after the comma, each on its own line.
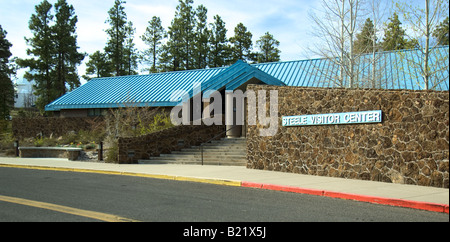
(16,147)
(100,151)
(201,145)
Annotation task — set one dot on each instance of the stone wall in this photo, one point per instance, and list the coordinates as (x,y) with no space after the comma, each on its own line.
(131,150)
(52,126)
(50,152)
(410,146)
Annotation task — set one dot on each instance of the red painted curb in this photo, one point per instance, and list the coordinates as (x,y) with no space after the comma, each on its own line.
(251,184)
(389,201)
(434,207)
(283,188)
(293,189)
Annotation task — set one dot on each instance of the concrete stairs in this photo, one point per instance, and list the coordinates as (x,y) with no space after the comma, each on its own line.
(225,152)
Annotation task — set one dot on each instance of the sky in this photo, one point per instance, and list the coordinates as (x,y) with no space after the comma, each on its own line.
(286,20)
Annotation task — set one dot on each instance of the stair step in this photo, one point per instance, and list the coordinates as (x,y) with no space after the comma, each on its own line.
(163,161)
(216,153)
(228,141)
(193,157)
(226,151)
(216,147)
(189,157)
(221,145)
(207,150)
(185,162)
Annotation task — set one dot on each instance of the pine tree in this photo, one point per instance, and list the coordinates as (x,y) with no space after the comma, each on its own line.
(130,51)
(54,50)
(268,49)
(364,42)
(186,24)
(117,32)
(171,52)
(394,37)
(65,41)
(178,52)
(187,15)
(42,64)
(219,50)
(98,65)
(153,36)
(441,32)
(201,40)
(241,44)
(6,71)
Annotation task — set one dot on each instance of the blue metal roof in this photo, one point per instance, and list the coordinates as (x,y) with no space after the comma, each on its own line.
(394,70)
(238,74)
(139,90)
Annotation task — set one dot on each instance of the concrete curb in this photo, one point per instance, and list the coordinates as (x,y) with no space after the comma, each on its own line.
(434,207)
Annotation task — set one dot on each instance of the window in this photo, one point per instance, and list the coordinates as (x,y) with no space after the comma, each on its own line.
(95,112)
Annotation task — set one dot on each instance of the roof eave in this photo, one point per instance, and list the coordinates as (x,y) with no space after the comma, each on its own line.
(108,105)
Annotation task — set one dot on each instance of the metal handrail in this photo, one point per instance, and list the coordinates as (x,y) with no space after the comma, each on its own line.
(201,145)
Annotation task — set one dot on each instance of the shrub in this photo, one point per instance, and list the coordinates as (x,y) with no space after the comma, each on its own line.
(132,121)
(160,121)
(45,142)
(6,141)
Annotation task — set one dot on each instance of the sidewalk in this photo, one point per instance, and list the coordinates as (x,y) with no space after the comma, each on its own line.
(418,197)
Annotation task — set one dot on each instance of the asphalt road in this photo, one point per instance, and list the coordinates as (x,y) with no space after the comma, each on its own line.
(153,200)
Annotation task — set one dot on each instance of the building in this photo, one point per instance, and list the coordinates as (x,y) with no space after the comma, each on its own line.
(393,70)
(24,94)
(385,70)
(380,125)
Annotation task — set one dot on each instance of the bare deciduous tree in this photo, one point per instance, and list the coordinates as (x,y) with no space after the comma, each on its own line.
(336,26)
(423,20)
(375,77)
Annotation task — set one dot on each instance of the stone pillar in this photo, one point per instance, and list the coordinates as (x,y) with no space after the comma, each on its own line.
(244,119)
(230,116)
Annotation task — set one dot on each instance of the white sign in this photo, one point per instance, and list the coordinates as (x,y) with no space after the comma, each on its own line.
(333,118)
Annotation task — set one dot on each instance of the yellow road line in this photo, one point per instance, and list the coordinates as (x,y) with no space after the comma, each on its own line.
(209,181)
(155,176)
(69,210)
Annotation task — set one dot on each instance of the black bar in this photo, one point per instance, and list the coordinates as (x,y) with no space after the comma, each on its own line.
(100,151)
